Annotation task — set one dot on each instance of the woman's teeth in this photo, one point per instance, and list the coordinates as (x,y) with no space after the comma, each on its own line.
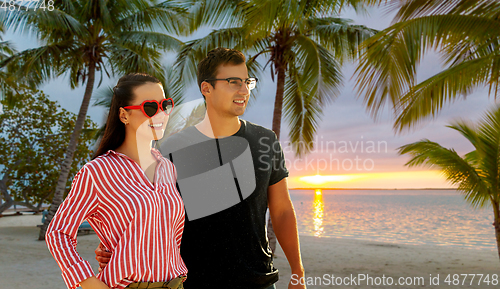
(239,101)
(156,125)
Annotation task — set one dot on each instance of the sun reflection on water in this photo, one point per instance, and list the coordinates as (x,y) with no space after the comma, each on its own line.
(319,207)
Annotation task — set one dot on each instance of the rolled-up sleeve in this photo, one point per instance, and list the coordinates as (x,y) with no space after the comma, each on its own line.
(80,203)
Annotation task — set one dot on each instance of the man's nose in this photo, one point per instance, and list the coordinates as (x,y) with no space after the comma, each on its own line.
(244,89)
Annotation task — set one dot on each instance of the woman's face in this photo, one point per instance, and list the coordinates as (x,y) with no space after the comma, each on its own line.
(143,126)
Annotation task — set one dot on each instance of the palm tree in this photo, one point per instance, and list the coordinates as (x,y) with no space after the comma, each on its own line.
(304,49)
(467,35)
(477,172)
(7,81)
(87,36)
(305,44)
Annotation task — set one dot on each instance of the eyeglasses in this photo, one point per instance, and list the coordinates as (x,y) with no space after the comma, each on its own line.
(151,107)
(235,83)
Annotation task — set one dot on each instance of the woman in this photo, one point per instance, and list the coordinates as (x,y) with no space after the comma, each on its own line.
(128,195)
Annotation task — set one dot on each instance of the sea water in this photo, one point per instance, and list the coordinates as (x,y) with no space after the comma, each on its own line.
(436,217)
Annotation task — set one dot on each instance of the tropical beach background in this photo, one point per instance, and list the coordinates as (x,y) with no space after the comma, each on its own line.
(359,96)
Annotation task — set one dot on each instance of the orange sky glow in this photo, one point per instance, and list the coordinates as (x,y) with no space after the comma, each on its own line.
(382,180)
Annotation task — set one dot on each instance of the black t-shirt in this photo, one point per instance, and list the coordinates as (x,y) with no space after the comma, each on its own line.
(228,248)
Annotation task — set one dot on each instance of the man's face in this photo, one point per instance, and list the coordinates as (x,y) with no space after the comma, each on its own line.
(224,98)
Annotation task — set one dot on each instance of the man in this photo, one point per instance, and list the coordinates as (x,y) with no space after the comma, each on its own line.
(224,244)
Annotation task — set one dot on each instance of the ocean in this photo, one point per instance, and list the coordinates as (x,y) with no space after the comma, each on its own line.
(434,217)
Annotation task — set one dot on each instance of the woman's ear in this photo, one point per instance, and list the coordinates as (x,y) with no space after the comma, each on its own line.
(124,115)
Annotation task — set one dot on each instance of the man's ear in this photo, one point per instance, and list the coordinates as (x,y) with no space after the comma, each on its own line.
(206,89)
(124,115)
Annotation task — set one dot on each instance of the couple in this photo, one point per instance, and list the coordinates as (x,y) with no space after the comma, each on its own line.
(134,197)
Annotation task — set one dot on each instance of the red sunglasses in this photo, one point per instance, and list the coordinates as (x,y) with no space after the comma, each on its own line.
(151,107)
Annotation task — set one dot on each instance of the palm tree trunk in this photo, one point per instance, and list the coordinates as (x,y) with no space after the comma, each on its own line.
(278,107)
(496,223)
(278,103)
(70,151)
(4,186)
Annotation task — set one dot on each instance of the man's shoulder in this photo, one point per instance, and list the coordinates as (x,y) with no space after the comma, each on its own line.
(258,130)
(184,134)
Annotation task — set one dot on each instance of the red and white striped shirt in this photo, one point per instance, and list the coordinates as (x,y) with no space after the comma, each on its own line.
(139,222)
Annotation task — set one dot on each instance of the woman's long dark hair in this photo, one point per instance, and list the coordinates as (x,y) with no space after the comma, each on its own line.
(123,95)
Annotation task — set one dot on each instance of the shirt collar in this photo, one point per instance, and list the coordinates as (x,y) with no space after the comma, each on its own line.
(156,154)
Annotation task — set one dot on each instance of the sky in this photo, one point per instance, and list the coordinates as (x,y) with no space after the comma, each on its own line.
(353,150)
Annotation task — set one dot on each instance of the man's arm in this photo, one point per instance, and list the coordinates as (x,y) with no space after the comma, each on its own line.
(93,283)
(102,256)
(285,226)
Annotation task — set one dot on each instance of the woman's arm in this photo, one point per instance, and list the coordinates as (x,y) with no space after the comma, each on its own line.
(80,203)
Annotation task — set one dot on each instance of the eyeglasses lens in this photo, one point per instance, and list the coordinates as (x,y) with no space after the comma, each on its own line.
(167,106)
(150,108)
(236,84)
(251,83)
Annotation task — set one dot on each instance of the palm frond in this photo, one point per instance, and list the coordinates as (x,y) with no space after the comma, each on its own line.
(6,49)
(295,103)
(358,5)
(264,15)
(340,36)
(180,118)
(195,50)
(307,57)
(313,81)
(156,40)
(170,15)
(68,6)
(9,86)
(174,87)
(428,97)
(103,96)
(319,69)
(43,23)
(456,170)
(254,70)
(216,13)
(468,131)
(303,113)
(314,8)
(489,135)
(387,69)
(128,57)
(418,8)
(76,68)
(40,64)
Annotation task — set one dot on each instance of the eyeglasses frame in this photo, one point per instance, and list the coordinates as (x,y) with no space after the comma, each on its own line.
(233,78)
(141,106)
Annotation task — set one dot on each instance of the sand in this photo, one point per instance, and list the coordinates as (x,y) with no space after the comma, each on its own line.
(26,262)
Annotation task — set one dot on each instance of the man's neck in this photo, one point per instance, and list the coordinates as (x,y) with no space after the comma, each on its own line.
(217,127)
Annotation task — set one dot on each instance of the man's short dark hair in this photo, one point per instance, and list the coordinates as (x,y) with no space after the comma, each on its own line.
(207,68)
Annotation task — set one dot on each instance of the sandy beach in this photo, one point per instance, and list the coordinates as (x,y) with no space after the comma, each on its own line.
(26,262)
